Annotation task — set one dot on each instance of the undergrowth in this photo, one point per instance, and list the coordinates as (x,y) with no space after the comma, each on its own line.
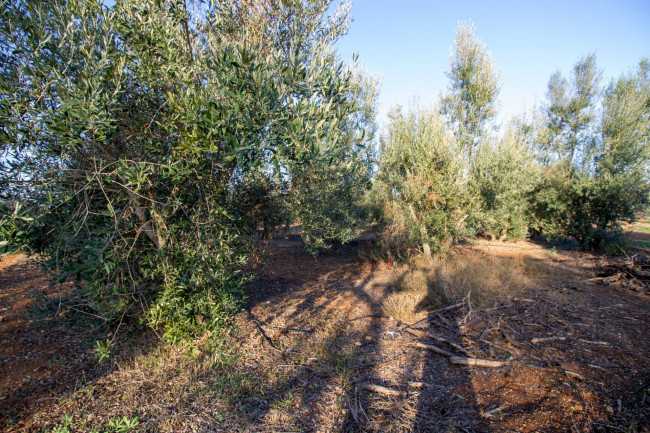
(449,278)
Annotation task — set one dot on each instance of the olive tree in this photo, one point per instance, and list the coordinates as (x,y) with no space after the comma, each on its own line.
(125,130)
(420,181)
(596,157)
(571,112)
(328,199)
(470,104)
(502,176)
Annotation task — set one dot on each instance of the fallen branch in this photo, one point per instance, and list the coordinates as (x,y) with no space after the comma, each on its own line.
(460,360)
(608,280)
(354,408)
(488,330)
(475,362)
(418,384)
(431,313)
(445,321)
(266,338)
(458,347)
(492,412)
(513,350)
(435,349)
(469,312)
(600,343)
(597,366)
(545,339)
(383,390)
(574,375)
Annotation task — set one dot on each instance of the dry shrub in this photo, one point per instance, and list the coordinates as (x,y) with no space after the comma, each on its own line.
(537,267)
(423,277)
(449,278)
(489,278)
(403,305)
(416,289)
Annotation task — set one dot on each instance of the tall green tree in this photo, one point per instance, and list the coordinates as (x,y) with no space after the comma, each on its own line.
(571,114)
(625,126)
(420,182)
(470,104)
(596,176)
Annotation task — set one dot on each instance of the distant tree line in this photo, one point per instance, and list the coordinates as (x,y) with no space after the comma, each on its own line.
(577,167)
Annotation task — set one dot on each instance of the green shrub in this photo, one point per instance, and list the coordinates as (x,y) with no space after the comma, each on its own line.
(420,181)
(501,178)
(596,173)
(259,203)
(328,200)
(138,129)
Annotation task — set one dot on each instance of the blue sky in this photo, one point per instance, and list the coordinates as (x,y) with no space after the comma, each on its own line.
(408,43)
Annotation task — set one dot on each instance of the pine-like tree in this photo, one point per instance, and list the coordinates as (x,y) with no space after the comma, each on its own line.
(470,104)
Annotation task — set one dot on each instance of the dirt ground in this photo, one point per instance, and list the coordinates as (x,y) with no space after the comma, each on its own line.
(45,351)
(639,233)
(314,352)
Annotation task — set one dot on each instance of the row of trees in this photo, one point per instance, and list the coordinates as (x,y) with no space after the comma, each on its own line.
(577,167)
(148,145)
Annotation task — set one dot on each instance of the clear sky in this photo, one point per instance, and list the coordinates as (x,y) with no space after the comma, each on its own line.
(408,43)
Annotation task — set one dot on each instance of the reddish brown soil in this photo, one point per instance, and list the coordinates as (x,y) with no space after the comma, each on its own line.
(314,337)
(42,355)
(574,384)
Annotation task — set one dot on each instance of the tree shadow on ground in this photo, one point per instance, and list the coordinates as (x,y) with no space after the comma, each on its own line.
(316,337)
(448,402)
(531,392)
(437,396)
(333,389)
(320,353)
(46,345)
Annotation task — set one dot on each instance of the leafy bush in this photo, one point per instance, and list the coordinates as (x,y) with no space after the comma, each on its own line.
(501,179)
(259,203)
(328,200)
(588,208)
(137,129)
(420,181)
(14,227)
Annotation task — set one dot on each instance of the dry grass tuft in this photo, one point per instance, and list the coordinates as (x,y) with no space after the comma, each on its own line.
(448,278)
(489,278)
(403,305)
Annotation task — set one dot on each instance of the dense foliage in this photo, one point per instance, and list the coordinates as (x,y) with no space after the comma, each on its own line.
(149,146)
(596,167)
(501,178)
(578,167)
(420,183)
(149,142)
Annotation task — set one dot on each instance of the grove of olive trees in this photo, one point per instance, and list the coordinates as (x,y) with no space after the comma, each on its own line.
(148,145)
